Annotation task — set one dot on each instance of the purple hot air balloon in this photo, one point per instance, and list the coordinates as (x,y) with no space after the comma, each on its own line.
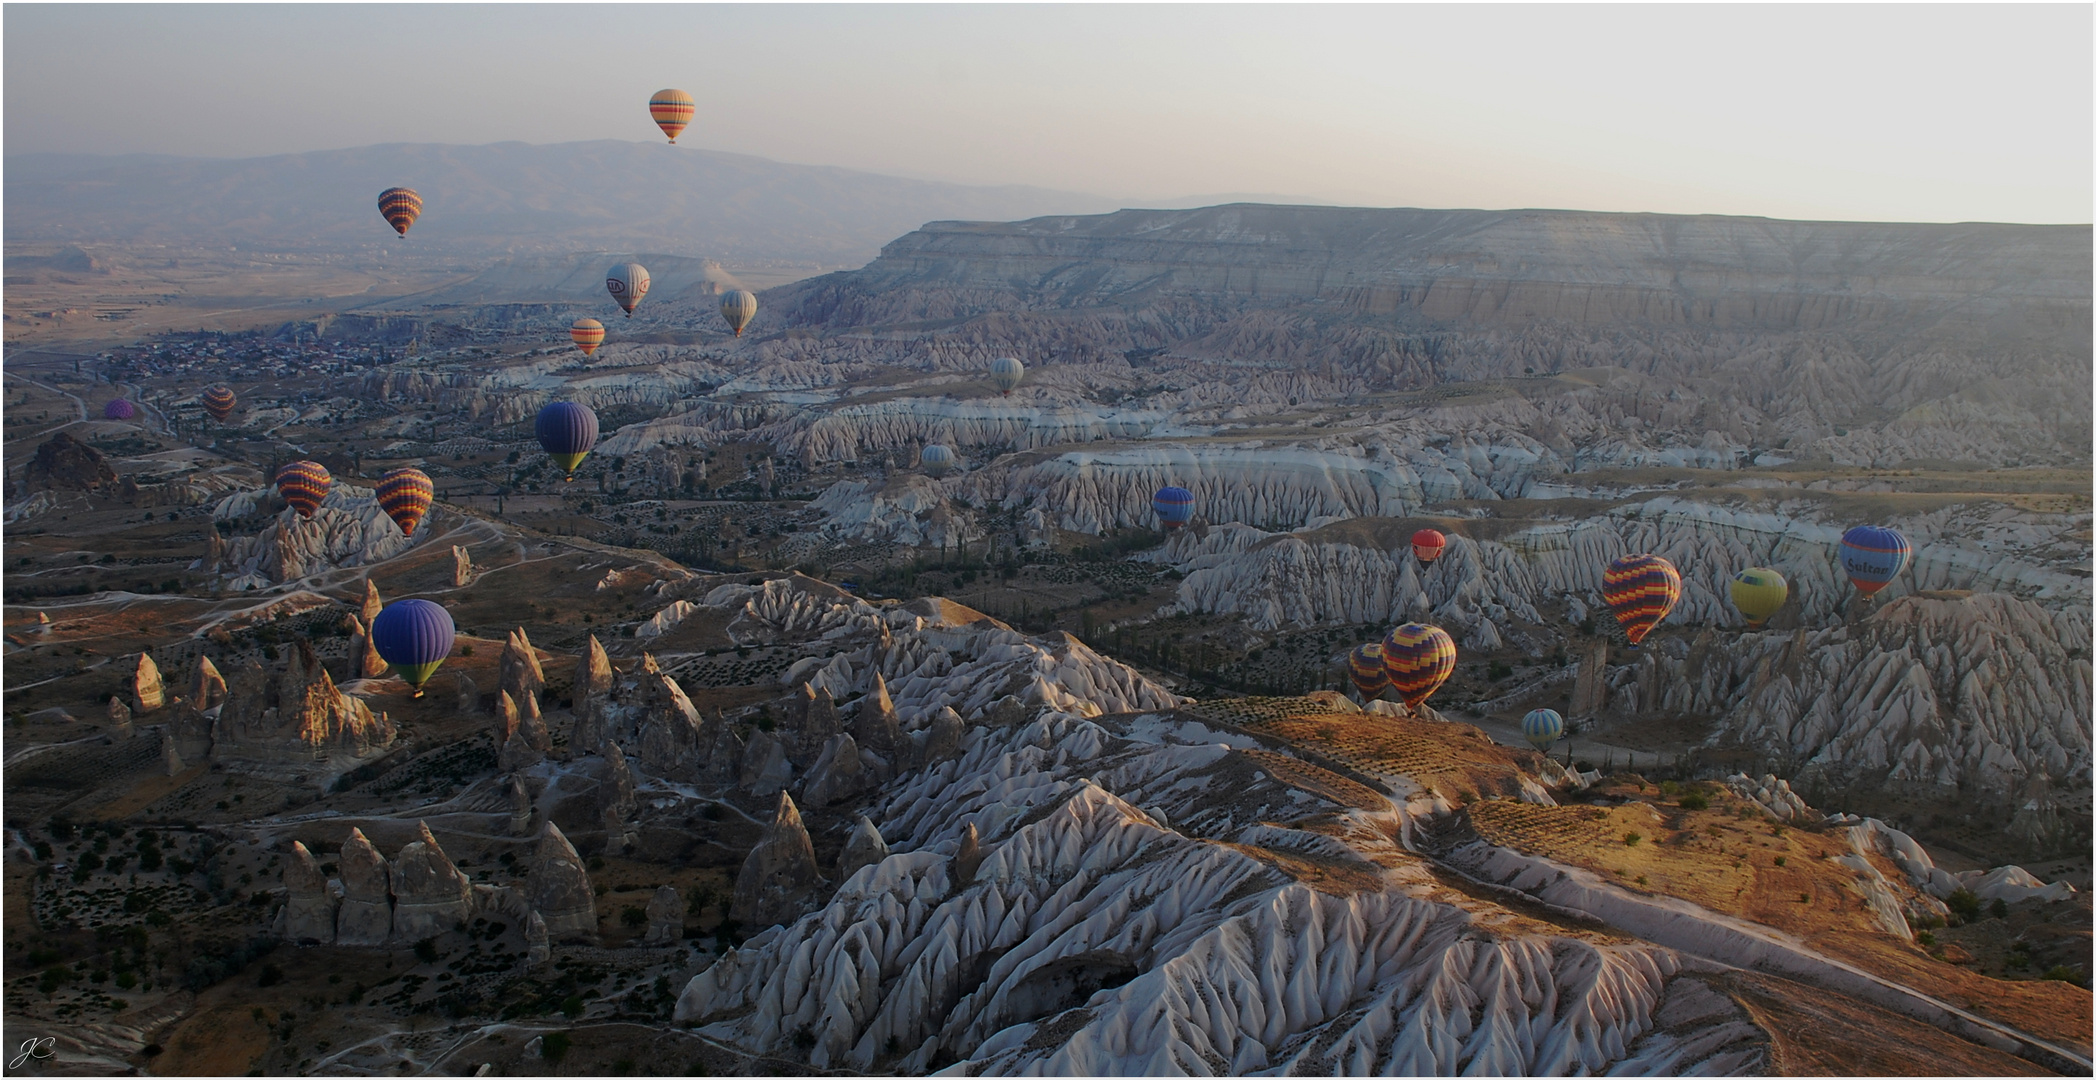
(414,636)
(119,409)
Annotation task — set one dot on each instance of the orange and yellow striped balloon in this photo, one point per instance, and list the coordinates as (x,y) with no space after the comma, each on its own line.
(1418,658)
(1640,589)
(219,402)
(401,207)
(672,109)
(1365,665)
(588,334)
(405,495)
(304,484)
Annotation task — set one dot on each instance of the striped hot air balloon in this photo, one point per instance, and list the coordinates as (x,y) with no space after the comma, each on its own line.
(400,206)
(937,460)
(1541,727)
(1427,545)
(220,402)
(568,432)
(672,110)
(588,334)
(1758,592)
(405,495)
(738,306)
(1174,506)
(1418,658)
(304,484)
(1365,666)
(119,409)
(414,636)
(1006,372)
(1640,590)
(628,284)
(1873,555)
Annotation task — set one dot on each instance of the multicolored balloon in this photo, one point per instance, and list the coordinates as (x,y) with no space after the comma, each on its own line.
(1758,592)
(304,484)
(1174,506)
(220,402)
(1365,666)
(628,284)
(1006,372)
(937,460)
(119,409)
(414,637)
(587,335)
(1541,727)
(1873,555)
(405,495)
(400,206)
(1640,590)
(1418,658)
(672,110)
(1427,545)
(738,306)
(568,432)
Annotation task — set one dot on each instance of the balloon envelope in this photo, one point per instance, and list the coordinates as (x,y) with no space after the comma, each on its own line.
(405,495)
(587,335)
(304,484)
(1427,545)
(1758,592)
(568,432)
(219,402)
(1006,372)
(738,306)
(119,410)
(1365,666)
(937,460)
(414,636)
(1174,506)
(1541,727)
(1872,556)
(671,110)
(1419,659)
(1640,590)
(400,206)
(628,284)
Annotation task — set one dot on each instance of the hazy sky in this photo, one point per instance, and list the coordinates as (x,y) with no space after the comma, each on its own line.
(1886,112)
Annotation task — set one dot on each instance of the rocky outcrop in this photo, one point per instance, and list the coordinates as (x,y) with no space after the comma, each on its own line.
(538,941)
(366,915)
(521,673)
(431,895)
(765,770)
(875,727)
(170,758)
(724,756)
(778,879)
(349,530)
(525,739)
(968,858)
(63,463)
(309,908)
(462,573)
(372,604)
(119,715)
(558,889)
(295,722)
(147,693)
(616,793)
(864,847)
(468,694)
(838,774)
(520,807)
(364,660)
(943,738)
(665,917)
(207,688)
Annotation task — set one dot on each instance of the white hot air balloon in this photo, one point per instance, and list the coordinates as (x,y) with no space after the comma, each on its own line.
(627,284)
(1006,372)
(937,460)
(738,307)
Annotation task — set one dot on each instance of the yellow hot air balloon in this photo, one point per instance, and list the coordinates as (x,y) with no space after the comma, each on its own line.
(672,109)
(1758,593)
(738,306)
(588,334)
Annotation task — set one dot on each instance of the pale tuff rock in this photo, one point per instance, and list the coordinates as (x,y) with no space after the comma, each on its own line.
(430,894)
(372,603)
(778,879)
(538,941)
(665,917)
(2038,822)
(297,722)
(943,739)
(616,794)
(814,723)
(672,739)
(309,911)
(519,808)
(765,770)
(119,717)
(348,530)
(468,694)
(364,660)
(1590,690)
(524,740)
(724,756)
(907,509)
(864,847)
(207,688)
(593,672)
(366,915)
(558,889)
(461,567)
(147,693)
(875,727)
(969,857)
(1773,796)
(528,706)
(839,773)
(2010,883)
(170,759)
(521,673)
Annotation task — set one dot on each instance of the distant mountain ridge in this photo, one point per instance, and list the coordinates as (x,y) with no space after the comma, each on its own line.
(505,197)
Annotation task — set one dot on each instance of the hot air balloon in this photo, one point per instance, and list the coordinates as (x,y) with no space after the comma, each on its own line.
(1174,506)
(1873,555)
(1365,666)
(568,432)
(672,109)
(405,495)
(1757,593)
(628,284)
(119,409)
(304,484)
(738,306)
(401,207)
(937,460)
(1541,727)
(1640,589)
(588,334)
(1427,545)
(1418,658)
(1006,372)
(414,636)
(220,402)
